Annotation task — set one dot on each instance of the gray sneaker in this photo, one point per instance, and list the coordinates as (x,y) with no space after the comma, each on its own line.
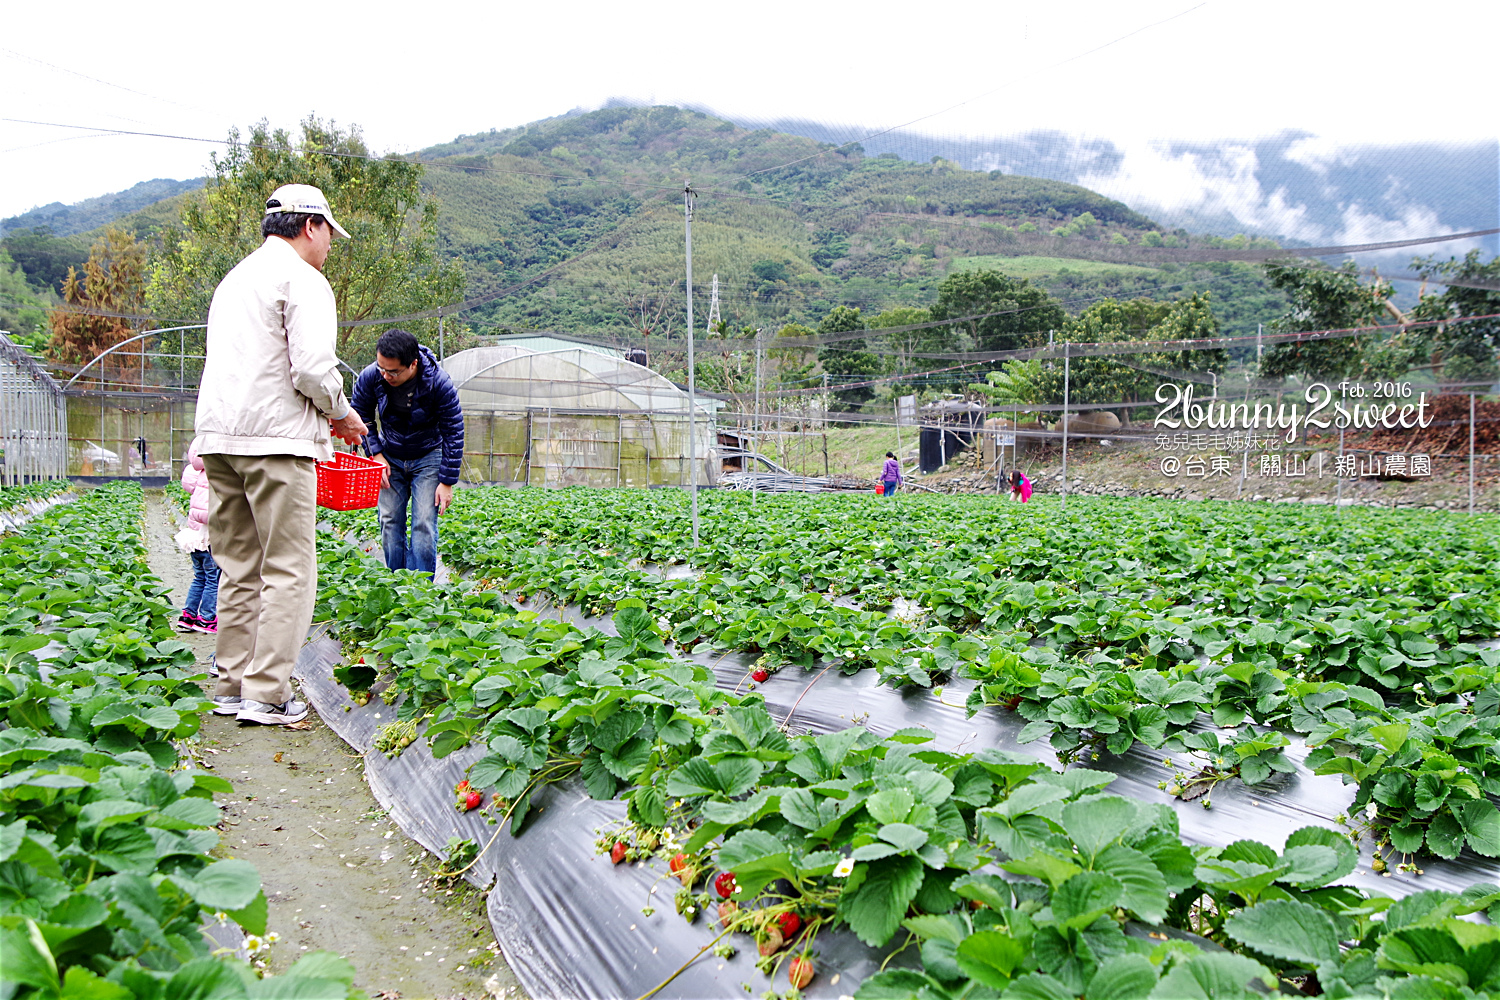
(227,704)
(286,713)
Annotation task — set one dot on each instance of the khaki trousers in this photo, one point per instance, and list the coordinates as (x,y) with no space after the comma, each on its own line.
(261,526)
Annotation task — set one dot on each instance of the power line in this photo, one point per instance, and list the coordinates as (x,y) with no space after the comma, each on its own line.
(1066,247)
(106,83)
(996,90)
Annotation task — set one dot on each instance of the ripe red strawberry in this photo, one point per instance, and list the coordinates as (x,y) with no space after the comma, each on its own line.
(724,884)
(677,864)
(617,853)
(790,924)
(462,786)
(473,801)
(800,972)
(760,676)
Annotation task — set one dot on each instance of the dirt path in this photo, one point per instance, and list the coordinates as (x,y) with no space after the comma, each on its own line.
(337,873)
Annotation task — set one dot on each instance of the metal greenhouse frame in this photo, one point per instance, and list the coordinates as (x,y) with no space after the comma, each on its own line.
(33,419)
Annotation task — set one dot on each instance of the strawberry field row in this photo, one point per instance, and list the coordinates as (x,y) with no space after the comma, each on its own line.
(108,873)
(1104,625)
(887,837)
(13,497)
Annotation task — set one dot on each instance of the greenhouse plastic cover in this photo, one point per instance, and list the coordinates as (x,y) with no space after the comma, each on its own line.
(570,924)
(571,379)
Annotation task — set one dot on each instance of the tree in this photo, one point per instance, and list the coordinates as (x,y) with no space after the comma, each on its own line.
(847,360)
(831,245)
(1015,313)
(794,365)
(902,344)
(98,305)
(389,268)
(1121,378)
(23,308)
(1324,298)
(1018,383)
(43,258)
(1461,352)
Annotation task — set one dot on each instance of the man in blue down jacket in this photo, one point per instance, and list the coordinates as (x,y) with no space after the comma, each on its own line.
(418,437)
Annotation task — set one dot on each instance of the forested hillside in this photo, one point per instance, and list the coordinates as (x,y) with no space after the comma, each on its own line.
(68,220)
(792,227)
(576,224)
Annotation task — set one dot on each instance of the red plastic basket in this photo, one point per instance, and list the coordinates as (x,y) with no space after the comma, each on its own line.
(349,482)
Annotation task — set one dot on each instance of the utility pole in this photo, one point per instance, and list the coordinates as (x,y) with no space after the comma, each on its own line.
(1471,453)
(1338,491)
(440,333)
(687,207)
(898,430)
(756,439)
(1065,427)
(824,422)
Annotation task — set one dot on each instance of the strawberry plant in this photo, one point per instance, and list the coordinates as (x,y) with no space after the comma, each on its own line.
(1208,633)
(108,866)
(13,498)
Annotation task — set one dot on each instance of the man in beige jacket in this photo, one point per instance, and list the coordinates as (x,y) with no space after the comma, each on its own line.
(270,389)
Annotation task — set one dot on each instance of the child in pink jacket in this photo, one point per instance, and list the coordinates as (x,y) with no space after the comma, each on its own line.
(202,611)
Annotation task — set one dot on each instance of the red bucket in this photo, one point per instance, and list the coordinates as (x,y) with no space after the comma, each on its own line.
(880,489)
(349,482)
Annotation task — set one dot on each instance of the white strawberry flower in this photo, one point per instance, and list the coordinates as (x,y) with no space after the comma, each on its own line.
(843,868)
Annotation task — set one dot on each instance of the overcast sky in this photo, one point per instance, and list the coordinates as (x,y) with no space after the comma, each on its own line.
(1350,73)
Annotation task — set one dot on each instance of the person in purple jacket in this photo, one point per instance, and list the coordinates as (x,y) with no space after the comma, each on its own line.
(891,474)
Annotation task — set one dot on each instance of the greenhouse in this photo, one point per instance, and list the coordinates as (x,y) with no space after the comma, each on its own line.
(33,419)
(577,417)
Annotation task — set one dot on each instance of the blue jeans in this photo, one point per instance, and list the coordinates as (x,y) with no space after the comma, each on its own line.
(203,592)
(890,487)
(414,480)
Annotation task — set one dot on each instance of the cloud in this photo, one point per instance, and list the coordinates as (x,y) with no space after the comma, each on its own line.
(1318,153)
(1197,185)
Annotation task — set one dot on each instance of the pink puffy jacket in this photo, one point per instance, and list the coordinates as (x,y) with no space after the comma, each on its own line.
(195,481)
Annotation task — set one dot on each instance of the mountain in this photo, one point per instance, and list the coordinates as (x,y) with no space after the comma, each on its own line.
(588,209)
(1292,186)
(576,224)
(69,220)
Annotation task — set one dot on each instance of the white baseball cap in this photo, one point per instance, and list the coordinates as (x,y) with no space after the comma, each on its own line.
(302,198)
